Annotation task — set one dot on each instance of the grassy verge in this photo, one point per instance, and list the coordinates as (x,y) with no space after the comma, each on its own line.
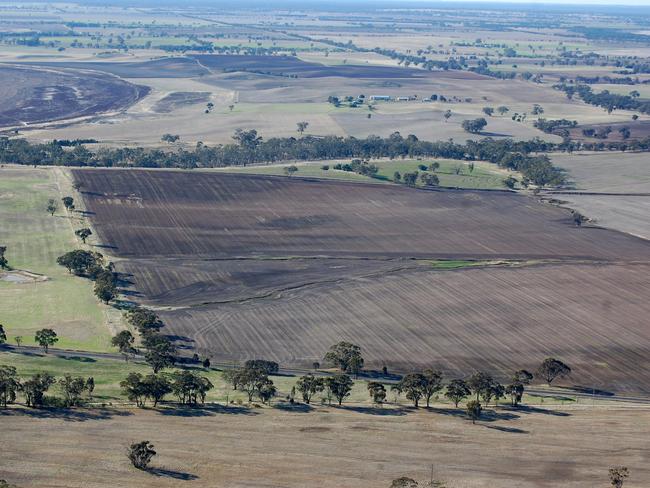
(108,373)
(451,173)
(34,240)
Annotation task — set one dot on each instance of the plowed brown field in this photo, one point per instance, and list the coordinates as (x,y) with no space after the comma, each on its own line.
(252,266)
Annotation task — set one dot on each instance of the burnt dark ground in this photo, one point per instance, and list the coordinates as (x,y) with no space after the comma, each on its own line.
(33,95)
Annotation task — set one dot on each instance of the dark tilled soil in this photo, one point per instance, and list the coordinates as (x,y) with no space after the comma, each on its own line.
(288,65)
(256,266)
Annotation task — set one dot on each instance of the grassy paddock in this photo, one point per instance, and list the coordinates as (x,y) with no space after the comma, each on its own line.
(108,373)
(34,240)
(483,176)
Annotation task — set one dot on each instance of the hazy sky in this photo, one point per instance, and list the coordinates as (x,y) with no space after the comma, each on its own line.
(565,2)
(643,3)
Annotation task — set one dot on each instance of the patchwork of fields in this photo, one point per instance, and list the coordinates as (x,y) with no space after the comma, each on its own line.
(245,266)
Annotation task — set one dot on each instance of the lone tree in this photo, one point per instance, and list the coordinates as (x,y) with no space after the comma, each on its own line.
(429,180)
(72,389)
(140,454)
(339,386)
(346,356)
(552,368)
(4,264)
(474,410)
(105,290)
(432,383)
(83,234)
(253,381)
(290,170)
(19,340)
(309,385)
(474,126)
(377,392)
(190,387)
(46,338)
(124,342)
(456,391)
(143,320)
(447,115)
(68,203)
(302,126)
(51,206)
(82,262)
(412,385)
(170,138)
(479,382)
(517,385)
(503,110)
(404,482)
(155,387)
(34,388)
(134,389)
(618,475)
(578,218)
(489,111)
(9,385)
(160,352)
(3,335)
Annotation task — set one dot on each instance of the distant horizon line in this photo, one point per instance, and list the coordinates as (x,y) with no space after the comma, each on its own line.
(643,4)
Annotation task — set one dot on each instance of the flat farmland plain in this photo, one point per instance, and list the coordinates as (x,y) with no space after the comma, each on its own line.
(247,266)
(347,447)
(210,214)
(594,317)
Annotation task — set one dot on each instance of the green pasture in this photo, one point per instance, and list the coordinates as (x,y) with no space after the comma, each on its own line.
(34,240)
(484,175)
(108,373)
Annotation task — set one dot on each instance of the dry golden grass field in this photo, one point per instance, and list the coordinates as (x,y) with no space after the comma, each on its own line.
(350,447)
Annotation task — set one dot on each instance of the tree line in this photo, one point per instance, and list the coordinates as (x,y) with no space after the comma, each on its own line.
(249,148)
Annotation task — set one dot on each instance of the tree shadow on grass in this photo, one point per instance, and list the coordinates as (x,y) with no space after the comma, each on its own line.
(552,397)
(293,407)
(510,430)
(66,414)
(204,411)
(529,409)
(486,415)
(80,359)
(588,390)
(170,473)
(24,352)
(379,411)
